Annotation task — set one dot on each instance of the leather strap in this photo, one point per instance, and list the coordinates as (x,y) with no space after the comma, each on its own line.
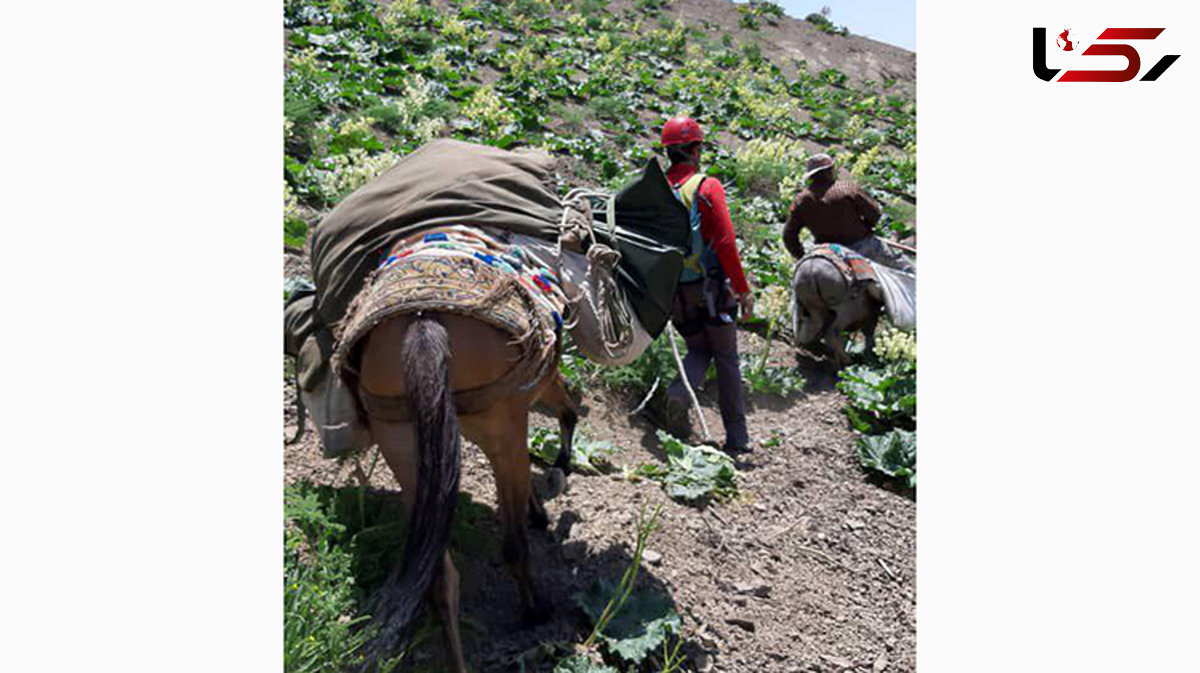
(398,408)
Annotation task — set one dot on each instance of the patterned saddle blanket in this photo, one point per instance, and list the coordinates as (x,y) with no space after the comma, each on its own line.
(854,267)
(463,271)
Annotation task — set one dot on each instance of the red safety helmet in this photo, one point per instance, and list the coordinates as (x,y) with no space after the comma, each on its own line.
(681,131)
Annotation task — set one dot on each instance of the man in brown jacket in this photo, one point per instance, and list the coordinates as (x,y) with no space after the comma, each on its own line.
(837,211)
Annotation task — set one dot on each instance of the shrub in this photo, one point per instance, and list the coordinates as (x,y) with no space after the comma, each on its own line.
(823,24)
(418,114)
(489,113)
(762,164)
(295,229)
(344,173)
(320,625)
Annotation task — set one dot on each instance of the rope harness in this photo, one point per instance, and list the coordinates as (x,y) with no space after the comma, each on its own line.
(605,300)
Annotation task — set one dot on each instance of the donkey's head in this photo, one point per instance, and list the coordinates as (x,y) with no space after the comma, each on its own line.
(324,394)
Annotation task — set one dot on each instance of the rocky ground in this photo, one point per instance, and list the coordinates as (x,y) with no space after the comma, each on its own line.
(812,568)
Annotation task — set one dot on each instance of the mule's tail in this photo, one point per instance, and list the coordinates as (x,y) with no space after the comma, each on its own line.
(426,358)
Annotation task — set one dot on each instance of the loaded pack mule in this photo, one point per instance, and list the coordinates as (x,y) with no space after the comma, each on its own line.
(425,366)
(442,291)
(837,291)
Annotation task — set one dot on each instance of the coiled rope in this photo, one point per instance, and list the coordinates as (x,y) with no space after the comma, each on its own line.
(605,299)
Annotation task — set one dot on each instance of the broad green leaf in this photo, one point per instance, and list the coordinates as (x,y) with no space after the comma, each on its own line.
(893,454)
(581,664)
(644,622)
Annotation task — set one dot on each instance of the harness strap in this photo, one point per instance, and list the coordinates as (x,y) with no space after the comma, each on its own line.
(690,188)
(398,408)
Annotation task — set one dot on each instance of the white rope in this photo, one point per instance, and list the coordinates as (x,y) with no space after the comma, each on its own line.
(614,317)
(687,384)
(646,399)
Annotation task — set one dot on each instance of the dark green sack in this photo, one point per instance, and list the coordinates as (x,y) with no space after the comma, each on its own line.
(652,231)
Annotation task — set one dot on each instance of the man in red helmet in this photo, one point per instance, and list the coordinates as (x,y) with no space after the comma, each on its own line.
(712,286)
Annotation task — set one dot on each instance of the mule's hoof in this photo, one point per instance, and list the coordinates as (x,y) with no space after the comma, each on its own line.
(556,481)
(538,519)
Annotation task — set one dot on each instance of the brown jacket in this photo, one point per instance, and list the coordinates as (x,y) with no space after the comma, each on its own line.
(835,213)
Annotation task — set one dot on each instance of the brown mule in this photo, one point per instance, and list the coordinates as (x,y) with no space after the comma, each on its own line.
(428,360)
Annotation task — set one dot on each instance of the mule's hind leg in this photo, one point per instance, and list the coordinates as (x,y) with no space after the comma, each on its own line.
(502,433)
(837,342)
(444,593)
(555,398)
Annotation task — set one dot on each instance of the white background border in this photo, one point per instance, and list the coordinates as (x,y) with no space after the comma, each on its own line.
(1056,516)
(140,270)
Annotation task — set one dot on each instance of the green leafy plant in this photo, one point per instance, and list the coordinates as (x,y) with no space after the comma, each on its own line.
(630,623)
(588,456)
(321,626)
(772,379)
(761,377)
(578,371)
(882,404)
(880,396)
(693,474)
(762,164)
(641,623)
(656,364)
(893,453)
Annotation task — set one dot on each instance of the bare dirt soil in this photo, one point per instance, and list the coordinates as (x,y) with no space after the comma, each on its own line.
(812,568)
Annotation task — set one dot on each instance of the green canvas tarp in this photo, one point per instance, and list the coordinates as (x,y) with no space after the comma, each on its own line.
(653,228)
(449,182)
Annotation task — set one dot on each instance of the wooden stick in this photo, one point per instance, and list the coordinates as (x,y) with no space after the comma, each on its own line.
(687,384)
(894,244)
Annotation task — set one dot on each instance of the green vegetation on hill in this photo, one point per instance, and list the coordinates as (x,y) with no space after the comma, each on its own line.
(366,84)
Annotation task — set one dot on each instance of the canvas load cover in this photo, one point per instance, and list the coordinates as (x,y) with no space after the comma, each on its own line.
(450,182)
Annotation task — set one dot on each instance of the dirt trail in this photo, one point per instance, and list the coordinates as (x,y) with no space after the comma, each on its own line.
(830,550)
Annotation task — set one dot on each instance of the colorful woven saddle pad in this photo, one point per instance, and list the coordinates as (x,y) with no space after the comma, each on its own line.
(853,266)
(463,271)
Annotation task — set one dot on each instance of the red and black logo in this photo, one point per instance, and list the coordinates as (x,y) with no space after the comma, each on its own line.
(1067,41)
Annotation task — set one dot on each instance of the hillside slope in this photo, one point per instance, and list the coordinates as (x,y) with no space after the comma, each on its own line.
(592,83)
(811,567)
(786,40)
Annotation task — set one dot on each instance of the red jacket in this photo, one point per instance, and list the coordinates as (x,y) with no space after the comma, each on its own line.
(715,226)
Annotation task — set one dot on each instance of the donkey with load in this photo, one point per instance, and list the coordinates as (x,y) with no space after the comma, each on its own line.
(442,290)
